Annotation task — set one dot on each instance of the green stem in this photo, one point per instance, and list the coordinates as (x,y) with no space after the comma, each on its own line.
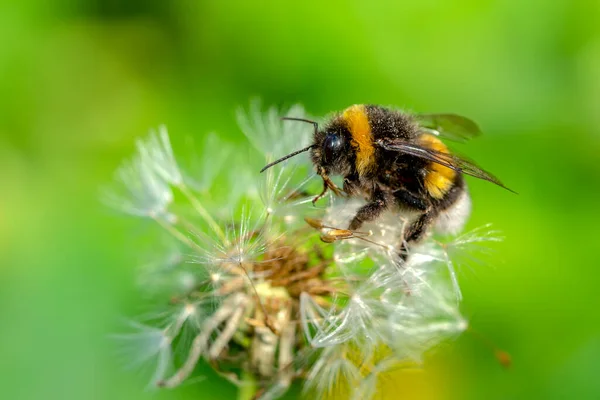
(248,387)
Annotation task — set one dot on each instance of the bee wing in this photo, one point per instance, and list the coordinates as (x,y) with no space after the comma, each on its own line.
(447,160)
(450,126)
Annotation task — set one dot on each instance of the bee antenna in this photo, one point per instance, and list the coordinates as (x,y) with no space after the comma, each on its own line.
(315,124)
(286,157)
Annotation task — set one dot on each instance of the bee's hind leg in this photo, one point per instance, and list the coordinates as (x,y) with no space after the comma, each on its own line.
(414,232)
(369,211)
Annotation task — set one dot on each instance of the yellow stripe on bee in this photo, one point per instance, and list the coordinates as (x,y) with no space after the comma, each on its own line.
(357,122)
(438,179)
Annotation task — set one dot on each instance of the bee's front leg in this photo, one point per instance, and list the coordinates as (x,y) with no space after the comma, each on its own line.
(327,184)
(369,211)
(320,195)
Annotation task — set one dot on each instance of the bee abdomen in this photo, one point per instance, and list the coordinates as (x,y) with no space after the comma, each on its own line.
(452,219)
(438,179)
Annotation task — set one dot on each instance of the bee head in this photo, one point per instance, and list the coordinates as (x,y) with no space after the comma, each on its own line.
(329,152)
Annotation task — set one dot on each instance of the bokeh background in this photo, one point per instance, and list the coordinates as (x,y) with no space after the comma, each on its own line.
(81,79)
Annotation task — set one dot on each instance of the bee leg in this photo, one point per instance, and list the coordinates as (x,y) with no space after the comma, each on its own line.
(327,184)
(320,195)
(332,186)
(415,232)
(369,211)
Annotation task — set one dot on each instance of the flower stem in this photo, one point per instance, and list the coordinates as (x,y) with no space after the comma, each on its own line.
(248,387)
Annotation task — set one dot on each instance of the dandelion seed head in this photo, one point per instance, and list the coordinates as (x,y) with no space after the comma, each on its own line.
(256,291)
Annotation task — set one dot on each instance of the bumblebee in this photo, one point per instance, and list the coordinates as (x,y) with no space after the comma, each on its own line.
(396,159)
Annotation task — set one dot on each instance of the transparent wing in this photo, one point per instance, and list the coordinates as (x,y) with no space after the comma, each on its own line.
(448,160)
(450,126)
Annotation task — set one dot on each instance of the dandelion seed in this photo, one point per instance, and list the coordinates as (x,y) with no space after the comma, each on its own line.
(148,347)
(157,154)
(332,373)
(282,196)
(203,168)
(466,248)
(140,191)
(268,133)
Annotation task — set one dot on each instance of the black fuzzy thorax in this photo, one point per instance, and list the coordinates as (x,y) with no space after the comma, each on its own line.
(394,169)
(390,124)
(401,171)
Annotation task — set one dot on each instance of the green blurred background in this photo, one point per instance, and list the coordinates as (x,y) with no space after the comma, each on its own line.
(80,79)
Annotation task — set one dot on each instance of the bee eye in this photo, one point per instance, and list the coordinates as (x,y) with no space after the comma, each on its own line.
(331,147)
